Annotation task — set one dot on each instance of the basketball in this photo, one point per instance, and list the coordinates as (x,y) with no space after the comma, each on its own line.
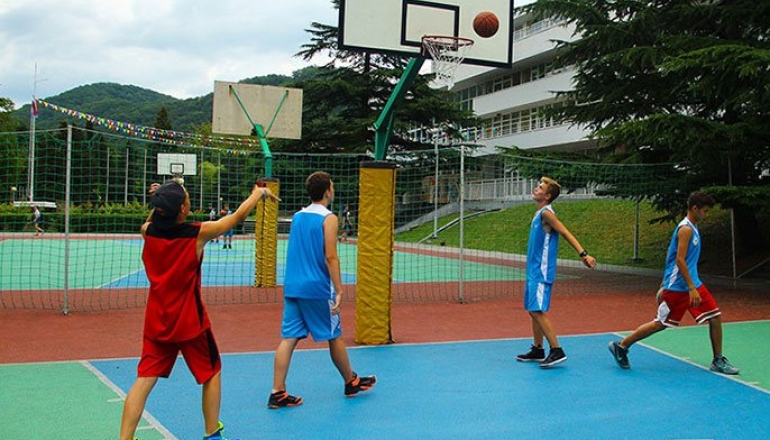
(486,24)
(223,212)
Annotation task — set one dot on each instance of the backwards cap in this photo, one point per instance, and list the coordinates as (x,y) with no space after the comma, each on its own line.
(167,201)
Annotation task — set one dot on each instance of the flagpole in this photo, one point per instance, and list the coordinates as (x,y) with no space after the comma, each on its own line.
(32,117)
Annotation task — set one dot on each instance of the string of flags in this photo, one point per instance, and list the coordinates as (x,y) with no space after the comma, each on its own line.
(171,137)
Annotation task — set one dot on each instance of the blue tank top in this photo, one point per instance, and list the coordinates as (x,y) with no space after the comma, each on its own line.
(307,275)
(542,250)
(672,278)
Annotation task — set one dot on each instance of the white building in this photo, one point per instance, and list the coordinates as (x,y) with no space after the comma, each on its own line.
(509,101)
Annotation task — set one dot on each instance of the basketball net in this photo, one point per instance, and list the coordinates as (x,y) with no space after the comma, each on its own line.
(446,53)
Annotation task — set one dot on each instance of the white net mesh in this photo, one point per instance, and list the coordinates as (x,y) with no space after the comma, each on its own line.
(447,53)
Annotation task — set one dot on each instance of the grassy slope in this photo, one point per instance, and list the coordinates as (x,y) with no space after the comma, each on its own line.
(604,227)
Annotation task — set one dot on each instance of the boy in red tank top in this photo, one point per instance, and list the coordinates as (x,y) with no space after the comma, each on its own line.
(175,317)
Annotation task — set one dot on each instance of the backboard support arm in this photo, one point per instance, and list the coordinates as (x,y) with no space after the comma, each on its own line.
(260,133)
(383,127)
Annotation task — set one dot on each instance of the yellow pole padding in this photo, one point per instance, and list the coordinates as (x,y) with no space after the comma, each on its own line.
(266,238)
(376,216)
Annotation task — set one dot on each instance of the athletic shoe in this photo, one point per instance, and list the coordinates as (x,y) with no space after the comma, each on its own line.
(620,354)
(555,356)
(280,399)
(218,434)
(721,365)
(535,354)
(357,384)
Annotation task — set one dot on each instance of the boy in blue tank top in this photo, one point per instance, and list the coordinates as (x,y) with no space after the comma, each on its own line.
(312,292)
(542,252)
(682,290)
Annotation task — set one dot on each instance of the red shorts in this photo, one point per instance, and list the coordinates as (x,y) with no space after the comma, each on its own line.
(201,355)
(674,304)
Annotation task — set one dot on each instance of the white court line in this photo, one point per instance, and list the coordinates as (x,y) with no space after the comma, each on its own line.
(152,421)
(734,378)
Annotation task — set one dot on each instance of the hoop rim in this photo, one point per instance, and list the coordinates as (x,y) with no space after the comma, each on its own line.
(460,41)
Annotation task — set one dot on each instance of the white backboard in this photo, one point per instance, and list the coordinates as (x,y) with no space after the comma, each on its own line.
(177,164)
(397,26)
(280,106)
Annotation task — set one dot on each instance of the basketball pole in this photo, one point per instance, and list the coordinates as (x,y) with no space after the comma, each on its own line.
(260,134)
(383,127)
(377,200)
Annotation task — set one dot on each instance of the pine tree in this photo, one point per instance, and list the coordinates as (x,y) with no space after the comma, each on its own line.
(676,81)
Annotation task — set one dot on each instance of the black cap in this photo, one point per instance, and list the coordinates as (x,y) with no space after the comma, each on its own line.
(167,201)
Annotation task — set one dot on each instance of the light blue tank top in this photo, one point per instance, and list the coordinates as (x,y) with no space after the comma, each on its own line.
(542,250)
(672,278)
(307,275)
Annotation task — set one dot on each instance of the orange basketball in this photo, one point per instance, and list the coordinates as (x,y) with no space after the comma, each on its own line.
(486,24)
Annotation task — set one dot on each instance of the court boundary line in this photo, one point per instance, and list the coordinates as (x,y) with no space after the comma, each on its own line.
(151,420)
(618,333)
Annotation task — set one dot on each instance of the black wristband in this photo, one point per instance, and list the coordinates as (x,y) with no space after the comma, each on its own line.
(583,254)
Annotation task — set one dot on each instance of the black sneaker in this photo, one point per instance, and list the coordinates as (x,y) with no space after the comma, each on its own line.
(720,364)
(556,356)
(620,354)
(280,399)
(535,354)
(357,384)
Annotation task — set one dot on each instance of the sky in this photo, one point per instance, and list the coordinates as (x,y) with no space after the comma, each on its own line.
(175,47)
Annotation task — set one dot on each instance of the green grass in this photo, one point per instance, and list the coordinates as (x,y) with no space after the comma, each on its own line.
(604,227)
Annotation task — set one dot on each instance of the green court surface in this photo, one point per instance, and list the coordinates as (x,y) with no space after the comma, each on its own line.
(105,262)
(39,264)
(746,345)
(61,400)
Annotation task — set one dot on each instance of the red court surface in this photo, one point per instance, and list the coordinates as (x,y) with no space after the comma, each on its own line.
(40,336)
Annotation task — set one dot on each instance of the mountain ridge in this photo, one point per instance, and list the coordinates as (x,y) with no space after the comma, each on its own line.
(134,104)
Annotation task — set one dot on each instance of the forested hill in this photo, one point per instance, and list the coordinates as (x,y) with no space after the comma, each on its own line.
(128,103)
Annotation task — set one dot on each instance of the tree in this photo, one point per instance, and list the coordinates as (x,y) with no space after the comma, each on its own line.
(677,81)
(8,120)
(13,159)
(163,119)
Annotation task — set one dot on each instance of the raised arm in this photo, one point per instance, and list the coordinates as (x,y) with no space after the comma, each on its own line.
(213,229)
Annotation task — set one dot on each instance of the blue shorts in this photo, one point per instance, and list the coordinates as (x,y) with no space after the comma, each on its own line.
(229,233)
(314,316)
(537,296)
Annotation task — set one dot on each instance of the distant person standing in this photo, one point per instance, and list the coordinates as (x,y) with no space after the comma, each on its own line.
(227,237)
(347,225)
(37,220)
(542,252)
(213,218)
(682,290)
(313,292)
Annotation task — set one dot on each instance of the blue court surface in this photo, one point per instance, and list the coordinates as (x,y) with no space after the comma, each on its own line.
(466,390)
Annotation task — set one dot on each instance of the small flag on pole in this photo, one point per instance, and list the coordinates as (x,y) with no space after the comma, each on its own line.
(34,108)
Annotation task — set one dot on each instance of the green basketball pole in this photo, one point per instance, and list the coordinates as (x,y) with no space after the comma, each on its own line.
(383,127)
(261,133)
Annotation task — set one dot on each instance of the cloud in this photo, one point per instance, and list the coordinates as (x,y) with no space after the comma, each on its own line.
(174,47)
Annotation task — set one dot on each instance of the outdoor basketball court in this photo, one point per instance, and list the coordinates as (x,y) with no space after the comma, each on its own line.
(438,390)
(104,263)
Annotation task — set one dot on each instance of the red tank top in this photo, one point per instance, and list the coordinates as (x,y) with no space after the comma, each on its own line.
(175,310)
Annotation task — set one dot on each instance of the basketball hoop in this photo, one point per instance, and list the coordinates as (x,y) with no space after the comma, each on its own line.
(447,53)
